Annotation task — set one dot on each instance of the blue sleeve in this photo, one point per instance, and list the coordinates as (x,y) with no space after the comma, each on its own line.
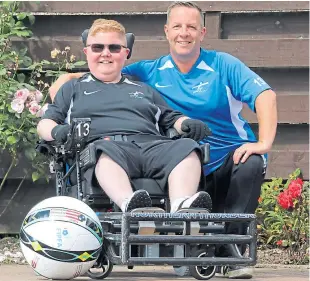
(137,70)
(245,84)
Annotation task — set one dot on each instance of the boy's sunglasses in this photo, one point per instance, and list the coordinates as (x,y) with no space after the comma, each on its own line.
(113,48)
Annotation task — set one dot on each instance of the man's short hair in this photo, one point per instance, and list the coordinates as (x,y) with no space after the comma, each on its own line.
(103,25)
(187,4)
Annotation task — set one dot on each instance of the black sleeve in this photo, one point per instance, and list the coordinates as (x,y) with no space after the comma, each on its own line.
(168,116)
(58,110)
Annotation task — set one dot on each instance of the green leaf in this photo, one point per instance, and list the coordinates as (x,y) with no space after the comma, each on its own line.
(30,153)
(33,131)
(21,77)
(2,71)
(35,176)
(31,19)
(21,16)
(27,61)
(11,140)
(23,51)
(270,238)
(23,33)
(79,63)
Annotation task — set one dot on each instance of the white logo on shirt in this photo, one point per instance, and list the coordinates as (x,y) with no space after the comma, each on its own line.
(259,81)
(200,88)
(162,86)
(90,93)
(136,95)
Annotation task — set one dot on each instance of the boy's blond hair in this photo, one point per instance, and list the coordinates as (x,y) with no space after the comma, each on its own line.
(103,25)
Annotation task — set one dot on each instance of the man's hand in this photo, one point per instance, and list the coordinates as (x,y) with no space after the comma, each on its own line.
(195,129)
(244,151)
(60,133)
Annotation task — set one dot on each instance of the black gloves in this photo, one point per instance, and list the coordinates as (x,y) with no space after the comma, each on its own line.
(195,129)
(60,133)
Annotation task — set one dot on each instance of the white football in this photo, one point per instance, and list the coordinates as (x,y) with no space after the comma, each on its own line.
(61,237)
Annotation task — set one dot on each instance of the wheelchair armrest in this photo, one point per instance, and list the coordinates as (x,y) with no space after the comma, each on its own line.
(205,148)
(172,133)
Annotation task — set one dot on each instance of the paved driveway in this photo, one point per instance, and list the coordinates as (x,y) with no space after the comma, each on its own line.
(25,273)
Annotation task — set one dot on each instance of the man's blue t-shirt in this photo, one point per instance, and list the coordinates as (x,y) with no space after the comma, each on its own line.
(213,91)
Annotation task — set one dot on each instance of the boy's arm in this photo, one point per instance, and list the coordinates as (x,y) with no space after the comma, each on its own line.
(56,114)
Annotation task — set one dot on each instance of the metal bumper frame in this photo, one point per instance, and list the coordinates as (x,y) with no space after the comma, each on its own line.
(127,226)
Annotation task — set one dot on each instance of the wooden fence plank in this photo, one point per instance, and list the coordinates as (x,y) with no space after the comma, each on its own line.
(255,53)
(263,26)
(105,7)
(289,81)
(219,25)
(213,24)
(291,109)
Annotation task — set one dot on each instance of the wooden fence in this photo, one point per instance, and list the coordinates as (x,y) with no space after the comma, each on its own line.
(271,37)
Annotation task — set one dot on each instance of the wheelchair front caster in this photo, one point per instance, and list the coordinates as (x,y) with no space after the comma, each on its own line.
(101,269)
(202,272)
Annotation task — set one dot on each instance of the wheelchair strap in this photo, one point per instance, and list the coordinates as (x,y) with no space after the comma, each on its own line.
(134,138)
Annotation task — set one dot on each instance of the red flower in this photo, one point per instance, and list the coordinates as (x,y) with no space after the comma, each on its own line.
(285,199)
(279,243)
(295,188)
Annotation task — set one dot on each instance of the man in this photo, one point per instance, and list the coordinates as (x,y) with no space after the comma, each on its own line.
(212,86)
(126,118)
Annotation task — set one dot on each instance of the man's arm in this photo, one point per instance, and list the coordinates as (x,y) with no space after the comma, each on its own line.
(251,89)
(266,110)
(62,79)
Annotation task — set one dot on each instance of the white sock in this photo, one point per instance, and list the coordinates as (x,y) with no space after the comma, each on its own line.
(124,205)
(176,203)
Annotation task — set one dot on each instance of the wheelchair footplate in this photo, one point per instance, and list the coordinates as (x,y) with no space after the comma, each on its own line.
(187,238)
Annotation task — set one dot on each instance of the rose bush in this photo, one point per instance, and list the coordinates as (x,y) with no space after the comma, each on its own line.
(24,94)
(283,215)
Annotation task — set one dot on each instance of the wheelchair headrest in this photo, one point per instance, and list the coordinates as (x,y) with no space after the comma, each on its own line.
(130,37)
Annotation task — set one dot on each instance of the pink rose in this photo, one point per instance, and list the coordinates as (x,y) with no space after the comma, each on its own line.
(22,94)
(34,107)
(31,97)
(38,96)
(18,105)
(42,110)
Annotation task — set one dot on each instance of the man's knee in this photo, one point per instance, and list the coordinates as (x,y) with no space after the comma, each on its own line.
(254,165)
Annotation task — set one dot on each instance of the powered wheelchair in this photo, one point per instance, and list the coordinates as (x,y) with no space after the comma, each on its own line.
(147,236)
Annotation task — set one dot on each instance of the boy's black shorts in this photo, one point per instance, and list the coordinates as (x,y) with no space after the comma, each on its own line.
(153,159)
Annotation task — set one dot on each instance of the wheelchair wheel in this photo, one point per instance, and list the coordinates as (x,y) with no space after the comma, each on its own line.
(202,272)
(101,269)
(182,271)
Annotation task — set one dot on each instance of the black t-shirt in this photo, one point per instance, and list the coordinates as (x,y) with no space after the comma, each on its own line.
(127,107)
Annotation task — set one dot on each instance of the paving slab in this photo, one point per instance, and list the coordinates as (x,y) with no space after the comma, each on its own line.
(152,273)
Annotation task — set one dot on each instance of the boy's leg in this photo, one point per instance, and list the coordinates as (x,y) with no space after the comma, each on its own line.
(177,163)
(113,169)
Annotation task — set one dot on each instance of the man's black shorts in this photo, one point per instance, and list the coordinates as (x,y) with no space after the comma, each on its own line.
(155,159)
